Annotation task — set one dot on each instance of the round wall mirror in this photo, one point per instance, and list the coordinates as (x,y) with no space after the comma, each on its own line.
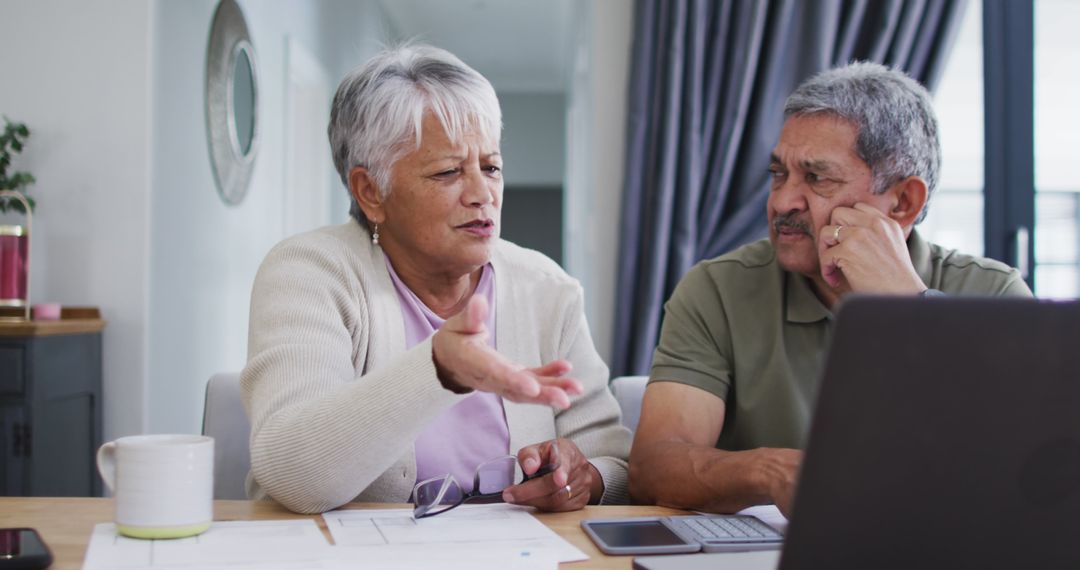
(243,99)
(232,102)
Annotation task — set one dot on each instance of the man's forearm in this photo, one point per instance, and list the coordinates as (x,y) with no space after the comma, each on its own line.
(684,475)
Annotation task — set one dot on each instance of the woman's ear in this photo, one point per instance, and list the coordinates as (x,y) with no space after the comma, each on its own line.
(909,199)
(365,191)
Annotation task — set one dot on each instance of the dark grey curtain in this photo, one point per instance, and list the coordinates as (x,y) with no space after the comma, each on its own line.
(707,90)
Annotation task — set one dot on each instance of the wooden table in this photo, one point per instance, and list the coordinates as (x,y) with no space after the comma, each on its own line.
(66,523)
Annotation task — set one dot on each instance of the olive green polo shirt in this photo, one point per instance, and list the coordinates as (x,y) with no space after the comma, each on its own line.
(741,328)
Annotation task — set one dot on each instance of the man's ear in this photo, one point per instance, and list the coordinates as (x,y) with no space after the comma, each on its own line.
(365,191)
(909,198)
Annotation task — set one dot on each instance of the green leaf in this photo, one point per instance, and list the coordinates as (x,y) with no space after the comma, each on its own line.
(12,141)
(21,179)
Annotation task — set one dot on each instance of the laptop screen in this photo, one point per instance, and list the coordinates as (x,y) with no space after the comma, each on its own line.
(946,435)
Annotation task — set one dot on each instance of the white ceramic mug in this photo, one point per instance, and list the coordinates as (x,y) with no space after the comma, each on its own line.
(163,484)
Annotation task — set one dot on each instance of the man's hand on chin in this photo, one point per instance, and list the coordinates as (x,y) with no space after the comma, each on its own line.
(869,250)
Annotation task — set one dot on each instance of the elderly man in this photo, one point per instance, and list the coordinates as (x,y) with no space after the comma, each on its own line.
(745,334)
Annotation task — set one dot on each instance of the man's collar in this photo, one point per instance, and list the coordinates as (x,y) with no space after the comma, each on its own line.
(919,250)
(803,305)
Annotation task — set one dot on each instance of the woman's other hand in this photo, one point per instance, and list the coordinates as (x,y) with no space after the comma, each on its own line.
(464,362)
(573,484)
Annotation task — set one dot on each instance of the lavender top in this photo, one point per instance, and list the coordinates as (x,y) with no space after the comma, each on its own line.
(474,430)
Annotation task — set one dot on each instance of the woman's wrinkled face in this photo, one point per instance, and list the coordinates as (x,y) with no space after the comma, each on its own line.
(442,213)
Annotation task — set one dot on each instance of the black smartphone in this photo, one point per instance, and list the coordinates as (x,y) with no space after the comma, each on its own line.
(23,548)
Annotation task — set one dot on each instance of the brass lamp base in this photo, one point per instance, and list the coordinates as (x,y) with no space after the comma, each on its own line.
(12,312)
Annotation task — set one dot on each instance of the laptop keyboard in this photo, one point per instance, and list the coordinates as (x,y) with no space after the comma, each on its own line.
(734,527)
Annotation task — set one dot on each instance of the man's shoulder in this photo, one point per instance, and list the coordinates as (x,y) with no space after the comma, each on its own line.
(964,273)
(745,271)
(757,257)
(959,260)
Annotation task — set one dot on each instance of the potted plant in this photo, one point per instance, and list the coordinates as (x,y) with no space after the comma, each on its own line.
(11,143)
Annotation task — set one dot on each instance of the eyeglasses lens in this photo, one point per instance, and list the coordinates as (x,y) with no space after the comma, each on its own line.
(495,475)
(437,491)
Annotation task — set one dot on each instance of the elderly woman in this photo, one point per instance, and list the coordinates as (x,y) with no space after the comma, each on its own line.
(411,342)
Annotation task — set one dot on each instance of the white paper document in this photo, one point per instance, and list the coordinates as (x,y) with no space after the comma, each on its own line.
(300,545)
(278,544)
(769,515)
(446,557)
(469,537)
(465,530)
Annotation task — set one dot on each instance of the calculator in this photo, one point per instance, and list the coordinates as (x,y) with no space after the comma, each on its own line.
(682,534)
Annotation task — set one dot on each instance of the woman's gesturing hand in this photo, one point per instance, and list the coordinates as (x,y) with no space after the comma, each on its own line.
(464,361)
(572,485)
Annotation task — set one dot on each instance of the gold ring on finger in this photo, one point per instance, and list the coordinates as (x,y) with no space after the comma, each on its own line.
(836,234)
(569,493)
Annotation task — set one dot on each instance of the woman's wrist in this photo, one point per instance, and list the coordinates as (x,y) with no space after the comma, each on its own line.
(442,373)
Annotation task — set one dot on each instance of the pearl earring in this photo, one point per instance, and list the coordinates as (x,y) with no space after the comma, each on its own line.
(375,235)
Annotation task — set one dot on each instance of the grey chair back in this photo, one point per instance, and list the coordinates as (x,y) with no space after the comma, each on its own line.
(225,420)
(628,391)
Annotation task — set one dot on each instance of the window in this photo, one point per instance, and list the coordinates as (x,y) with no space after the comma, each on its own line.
(958,215)
(1057,138)
(955,219)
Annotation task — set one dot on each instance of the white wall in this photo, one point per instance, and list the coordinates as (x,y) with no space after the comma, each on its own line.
(534,138)
(204,254)
(77,73)
(129,218)
(596,122)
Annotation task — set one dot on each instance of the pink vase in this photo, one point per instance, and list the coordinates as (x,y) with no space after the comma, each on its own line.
(13,255)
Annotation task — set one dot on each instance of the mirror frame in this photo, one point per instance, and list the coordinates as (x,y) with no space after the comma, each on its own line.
(228,39)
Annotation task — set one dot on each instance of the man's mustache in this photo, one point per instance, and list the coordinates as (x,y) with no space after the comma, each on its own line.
(790,221)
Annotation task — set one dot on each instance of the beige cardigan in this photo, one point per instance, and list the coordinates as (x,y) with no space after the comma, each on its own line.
(336,401)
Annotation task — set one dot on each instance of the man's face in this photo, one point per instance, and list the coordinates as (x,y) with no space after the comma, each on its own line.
(814,169)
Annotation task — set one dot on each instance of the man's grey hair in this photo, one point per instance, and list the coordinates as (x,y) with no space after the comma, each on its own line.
(897,128)
(379,108)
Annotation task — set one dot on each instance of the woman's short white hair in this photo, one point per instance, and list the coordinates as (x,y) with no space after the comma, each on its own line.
(379,109)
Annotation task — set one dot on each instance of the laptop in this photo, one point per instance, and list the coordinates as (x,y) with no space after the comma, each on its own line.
(946,435)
